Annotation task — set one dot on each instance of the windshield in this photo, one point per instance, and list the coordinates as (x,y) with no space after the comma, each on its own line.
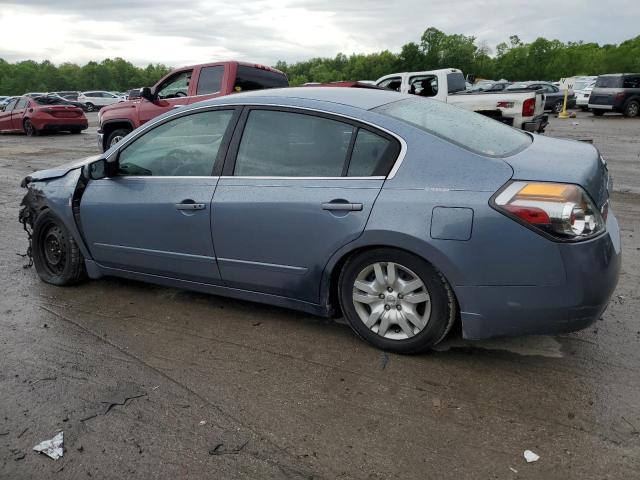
(609,81)
(50,101)
(464,128)
(582,84)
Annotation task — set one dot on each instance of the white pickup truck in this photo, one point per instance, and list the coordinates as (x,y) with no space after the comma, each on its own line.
(519,108)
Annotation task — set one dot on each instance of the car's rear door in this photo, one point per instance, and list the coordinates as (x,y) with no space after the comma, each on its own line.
(296,186)
(154,216)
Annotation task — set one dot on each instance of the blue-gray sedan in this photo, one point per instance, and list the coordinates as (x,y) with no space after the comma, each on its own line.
(403,214)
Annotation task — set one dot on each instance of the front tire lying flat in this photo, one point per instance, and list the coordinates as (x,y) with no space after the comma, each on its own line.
(396,301)
(56,255)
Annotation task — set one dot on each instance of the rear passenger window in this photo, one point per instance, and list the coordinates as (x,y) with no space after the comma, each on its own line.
(285,144)
(631,82)
(210,80)
(370,155)
(21,103)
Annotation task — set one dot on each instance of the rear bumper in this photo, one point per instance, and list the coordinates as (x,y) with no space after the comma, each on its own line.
(55,124)
(592,269)
(537,124)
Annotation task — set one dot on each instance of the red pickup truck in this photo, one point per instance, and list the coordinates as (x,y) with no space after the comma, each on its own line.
(181,87)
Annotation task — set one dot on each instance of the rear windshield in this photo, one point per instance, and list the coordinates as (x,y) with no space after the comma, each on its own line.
(50,101)
(609,82)
(464,128)
(251,78)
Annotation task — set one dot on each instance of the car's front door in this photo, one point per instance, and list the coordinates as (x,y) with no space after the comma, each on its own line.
(297,186)
(18,113)
(173,91)
(154,216)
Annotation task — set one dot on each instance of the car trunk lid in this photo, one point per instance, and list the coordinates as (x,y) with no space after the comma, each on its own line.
(564,161)
(63,111)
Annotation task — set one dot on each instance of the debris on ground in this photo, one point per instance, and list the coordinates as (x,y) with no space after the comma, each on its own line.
(202,422)
(530,456)
(52,448)
(385,360)
(220,450)
(513,470)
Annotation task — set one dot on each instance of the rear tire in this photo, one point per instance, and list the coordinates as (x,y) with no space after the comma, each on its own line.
(90,107)
(56,255)
(29,128)
(597,113)
(632,109)
(557,107)
(396,301)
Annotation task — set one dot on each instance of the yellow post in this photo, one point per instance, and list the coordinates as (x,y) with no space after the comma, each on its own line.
(563,113)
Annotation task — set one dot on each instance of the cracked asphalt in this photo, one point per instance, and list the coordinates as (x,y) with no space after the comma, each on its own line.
(153,382)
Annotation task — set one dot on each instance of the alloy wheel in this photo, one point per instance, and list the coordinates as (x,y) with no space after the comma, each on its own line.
(391,300)
(633,109)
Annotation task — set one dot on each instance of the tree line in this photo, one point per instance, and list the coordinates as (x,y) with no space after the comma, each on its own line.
(513,60)
(110,74)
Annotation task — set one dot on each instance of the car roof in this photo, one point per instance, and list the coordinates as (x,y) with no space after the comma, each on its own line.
(363,98)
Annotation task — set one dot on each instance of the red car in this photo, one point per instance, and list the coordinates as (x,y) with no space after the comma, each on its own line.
(38,114)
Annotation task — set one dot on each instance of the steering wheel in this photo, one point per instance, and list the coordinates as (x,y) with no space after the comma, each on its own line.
(179,163)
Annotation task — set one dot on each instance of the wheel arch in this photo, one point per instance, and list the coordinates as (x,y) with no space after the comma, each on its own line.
(110,126)
(373,240)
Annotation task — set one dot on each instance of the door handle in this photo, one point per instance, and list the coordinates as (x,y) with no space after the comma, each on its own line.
(190,205)
(343,206)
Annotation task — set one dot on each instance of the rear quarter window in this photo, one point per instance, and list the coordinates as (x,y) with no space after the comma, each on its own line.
(609,82)
(632,82)
(469,130)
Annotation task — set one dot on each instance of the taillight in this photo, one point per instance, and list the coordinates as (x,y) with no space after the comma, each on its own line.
(529,107)
(561,210)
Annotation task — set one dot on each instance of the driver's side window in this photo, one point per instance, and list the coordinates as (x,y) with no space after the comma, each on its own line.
(175,86)
(185,147)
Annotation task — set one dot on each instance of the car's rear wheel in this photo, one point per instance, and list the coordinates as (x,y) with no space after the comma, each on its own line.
(56,255)
(396,301)
(29,128)
(90,107)
(116,136)
(632,109)
(597,113)
(557,107)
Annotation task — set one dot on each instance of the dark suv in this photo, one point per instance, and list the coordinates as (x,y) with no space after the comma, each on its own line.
(618,92)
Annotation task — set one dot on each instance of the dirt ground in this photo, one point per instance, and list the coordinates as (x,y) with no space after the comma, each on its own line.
(151,382)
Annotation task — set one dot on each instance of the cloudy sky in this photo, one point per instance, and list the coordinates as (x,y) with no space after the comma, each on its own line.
(179,33)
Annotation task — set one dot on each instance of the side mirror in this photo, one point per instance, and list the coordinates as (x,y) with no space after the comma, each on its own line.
(95,170)
(145,92)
